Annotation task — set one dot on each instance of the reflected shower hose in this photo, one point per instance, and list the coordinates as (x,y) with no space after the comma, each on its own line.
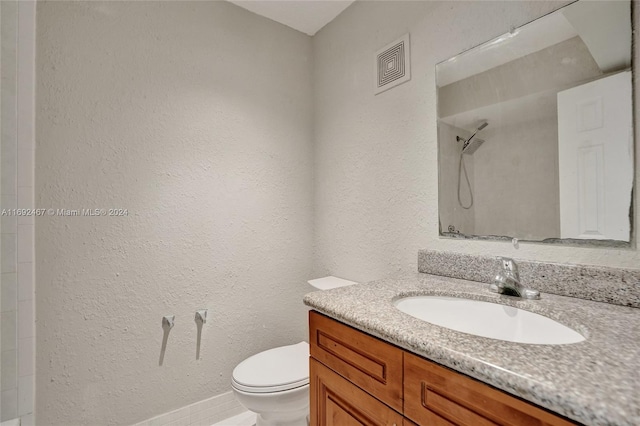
(461,167)
(466,144)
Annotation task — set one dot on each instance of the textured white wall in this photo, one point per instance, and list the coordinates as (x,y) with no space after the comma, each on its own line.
(376,171)
(195,116)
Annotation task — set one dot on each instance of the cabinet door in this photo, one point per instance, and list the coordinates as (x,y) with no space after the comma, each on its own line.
(435,392)
(337,402)
(370,363)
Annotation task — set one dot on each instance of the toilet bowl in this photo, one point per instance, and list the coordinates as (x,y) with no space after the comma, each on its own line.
(274,384)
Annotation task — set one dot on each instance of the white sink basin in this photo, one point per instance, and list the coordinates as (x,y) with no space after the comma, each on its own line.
(488,320)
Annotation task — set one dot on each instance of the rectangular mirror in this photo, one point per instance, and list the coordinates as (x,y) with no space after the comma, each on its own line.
(535,131)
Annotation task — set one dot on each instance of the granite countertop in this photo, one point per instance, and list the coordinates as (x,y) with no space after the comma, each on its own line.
(595,382)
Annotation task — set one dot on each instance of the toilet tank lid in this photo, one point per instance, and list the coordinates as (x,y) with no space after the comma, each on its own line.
(274,367)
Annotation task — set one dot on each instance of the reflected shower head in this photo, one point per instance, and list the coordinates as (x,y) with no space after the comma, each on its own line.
(471,145)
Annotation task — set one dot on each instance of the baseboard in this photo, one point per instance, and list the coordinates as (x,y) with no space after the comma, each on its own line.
(203,413)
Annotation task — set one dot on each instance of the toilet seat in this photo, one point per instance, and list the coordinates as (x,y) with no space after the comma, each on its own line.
(275,370)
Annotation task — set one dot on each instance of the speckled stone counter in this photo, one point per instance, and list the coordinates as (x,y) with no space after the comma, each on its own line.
(601,284)
(595,382)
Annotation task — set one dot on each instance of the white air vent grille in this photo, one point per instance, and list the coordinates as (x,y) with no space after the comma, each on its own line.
(392,65)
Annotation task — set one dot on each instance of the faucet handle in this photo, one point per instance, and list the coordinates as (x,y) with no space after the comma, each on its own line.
(508,281)
(510,266)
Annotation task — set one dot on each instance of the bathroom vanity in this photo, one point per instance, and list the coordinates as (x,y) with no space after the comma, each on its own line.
(358,379)
(372,364)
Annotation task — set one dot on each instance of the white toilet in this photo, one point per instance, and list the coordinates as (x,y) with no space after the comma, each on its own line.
(275,385)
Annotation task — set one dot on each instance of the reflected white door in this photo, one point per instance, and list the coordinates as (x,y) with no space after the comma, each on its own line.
(595,148)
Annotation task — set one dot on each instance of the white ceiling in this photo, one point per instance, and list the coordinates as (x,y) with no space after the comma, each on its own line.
(307,16)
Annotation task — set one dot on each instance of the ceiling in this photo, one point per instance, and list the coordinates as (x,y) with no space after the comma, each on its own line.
(307,16)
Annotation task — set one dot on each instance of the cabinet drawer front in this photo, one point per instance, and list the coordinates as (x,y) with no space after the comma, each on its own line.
(429,419)
(430,388)
(373,365)
(337,402)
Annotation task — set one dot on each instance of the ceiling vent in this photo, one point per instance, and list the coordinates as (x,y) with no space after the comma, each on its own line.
(393,65)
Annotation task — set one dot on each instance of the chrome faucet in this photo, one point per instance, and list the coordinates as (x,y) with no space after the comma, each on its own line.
(508,281)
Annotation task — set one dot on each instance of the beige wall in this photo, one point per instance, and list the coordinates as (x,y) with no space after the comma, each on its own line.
(516,179)
(196,117)
(376,156)
(17,342)
(537,72)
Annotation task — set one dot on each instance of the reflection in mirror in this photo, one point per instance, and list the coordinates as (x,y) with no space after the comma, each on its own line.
(535,130)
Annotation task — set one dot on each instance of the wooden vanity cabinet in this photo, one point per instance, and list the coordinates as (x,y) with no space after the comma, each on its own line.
(365,361)
(357,379)
(338,402)
(431,389)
